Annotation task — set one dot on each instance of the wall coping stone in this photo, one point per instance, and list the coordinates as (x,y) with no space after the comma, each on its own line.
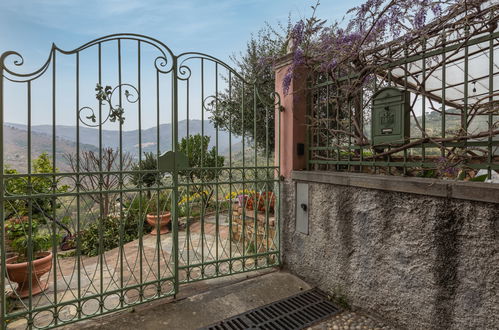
(475,191)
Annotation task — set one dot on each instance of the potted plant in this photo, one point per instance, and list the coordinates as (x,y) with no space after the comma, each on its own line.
(158,210)
(261,202)
(14,228)
(41,262)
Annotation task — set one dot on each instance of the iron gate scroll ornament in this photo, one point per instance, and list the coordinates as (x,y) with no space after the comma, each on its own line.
(390,117)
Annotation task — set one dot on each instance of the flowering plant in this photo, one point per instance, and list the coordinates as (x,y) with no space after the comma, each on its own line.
(261,201)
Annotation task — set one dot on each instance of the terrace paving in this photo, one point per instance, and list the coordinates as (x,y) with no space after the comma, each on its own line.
(204,303)
(102,273)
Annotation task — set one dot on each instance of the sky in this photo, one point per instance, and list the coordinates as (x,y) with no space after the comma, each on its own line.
(219,28)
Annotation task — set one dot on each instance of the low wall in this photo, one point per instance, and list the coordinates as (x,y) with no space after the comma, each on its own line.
(420,253)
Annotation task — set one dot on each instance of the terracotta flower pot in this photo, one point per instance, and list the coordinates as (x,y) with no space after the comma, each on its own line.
(18,272)
(164,219)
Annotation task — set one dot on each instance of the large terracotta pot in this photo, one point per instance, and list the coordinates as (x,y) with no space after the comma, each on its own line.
(164,219)
(18,272)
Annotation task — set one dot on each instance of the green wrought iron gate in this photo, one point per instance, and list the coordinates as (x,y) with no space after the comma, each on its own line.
(128,170)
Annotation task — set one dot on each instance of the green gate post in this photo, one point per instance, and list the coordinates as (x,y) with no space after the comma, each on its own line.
(175,199)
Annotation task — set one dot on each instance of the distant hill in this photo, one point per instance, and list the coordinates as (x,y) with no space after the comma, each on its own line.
(15,148)
(16,151)
(130,139)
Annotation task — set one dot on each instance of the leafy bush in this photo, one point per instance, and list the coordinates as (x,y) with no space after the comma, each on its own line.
(111,233)
(42,206)
(158,205)
(204,164)
(39,243)
(17,231)
(150,163)
(18,227)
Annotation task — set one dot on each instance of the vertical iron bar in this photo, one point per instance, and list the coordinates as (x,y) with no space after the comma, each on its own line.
(101,182)
(230,177)
(267,179)
(491,100)
(54,201)
(464,122)
(243,220)
(158,235)
(349,155)
(338,109)
(217,228)
(141,220)
(444,78)
(328,122)
(175,174)
(78,201)
(423,103)
(122,229)
(255,205)
(201,169)
(188,193)
(30,215)
(406,55)
(277,211)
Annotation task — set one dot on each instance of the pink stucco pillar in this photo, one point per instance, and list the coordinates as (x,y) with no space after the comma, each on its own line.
(292,119)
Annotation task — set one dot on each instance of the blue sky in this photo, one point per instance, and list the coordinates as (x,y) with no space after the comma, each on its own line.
(219,28)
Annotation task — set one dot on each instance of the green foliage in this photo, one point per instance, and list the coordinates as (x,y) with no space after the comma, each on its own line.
(18,227)
(234,109)
(17,231)
(203,163)
(150,162)
(159,204)
(480,178)
(137,207)
(39,185)
(39,243)
(112,227)
(195,147)
(427,174)
(340,297)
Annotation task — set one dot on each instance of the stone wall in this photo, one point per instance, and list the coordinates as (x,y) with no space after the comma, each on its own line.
(243,226)
(416,260)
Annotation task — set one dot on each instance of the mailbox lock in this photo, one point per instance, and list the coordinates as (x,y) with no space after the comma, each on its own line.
(304,207)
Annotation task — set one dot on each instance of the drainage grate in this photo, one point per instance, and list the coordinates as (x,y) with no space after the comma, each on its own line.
(295,312)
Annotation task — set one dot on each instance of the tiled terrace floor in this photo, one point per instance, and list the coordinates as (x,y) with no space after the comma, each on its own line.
(139,265)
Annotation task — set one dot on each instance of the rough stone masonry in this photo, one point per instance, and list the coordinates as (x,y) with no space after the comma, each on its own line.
(417,261)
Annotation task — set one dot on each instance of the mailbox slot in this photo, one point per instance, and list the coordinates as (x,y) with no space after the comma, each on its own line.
(390,117)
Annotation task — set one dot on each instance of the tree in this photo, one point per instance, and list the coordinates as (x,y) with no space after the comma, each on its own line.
(107,180)
(205,164)
(233,110)
(42,207)
(149,163)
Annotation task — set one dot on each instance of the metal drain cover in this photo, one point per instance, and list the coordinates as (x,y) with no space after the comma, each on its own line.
(295,312)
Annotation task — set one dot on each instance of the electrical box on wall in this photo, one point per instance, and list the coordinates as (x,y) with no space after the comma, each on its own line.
(301,208)
(390,121)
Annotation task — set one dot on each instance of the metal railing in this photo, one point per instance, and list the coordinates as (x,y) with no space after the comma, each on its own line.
(452,86)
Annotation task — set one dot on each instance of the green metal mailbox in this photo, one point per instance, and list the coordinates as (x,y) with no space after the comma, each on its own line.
(390,121)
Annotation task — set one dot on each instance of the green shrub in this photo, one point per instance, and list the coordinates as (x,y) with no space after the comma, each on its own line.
(39,243)
(158,205)
(111,232)
(41,206)
(150,162)
(19,227)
